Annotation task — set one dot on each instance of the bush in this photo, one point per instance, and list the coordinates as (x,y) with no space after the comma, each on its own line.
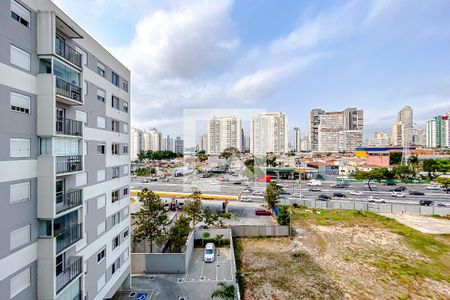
(202,242)
(283,215)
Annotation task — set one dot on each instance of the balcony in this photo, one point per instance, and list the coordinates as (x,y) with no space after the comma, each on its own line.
(68,53)
(67,164)
(68,237)
(68,200)
(69,127)
(71,272)
(68,90)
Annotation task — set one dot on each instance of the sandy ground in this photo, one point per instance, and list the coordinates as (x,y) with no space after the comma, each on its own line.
(425,224)
(333,262)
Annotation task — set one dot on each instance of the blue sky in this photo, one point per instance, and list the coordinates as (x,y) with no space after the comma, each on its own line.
(288,56)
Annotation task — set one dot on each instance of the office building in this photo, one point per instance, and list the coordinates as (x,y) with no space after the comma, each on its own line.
(167,143)
(224,132)
(297,140)
(179,145)
(269,133)
(65,225)
(398,134)
(137,143)
(152,140)
(405,116)
(313,128)
(438,132)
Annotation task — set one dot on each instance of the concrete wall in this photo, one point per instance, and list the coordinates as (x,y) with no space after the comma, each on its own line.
(259,230)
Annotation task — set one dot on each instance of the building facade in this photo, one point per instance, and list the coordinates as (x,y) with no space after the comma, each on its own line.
(313,128)
(137,143)
(297,140)
(178,145)
(405,116)
(379,139)
(65,164)
(152,140)
(167,143)
(224,132)
(438,132)
(269,133)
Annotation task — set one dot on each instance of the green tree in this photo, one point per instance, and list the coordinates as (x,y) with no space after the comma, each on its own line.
(403,172)
(395,158)
(151,220)
(445,181)
(178,234)
(205,236)
(218,239)
(224,291)
(209,217)
(284,215)
(229,152)
(375,174)
(429,165)
(272,194)
(270,161)
(193,208)
(141,156)
(413,162)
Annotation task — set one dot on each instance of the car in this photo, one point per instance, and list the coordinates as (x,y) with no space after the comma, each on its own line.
(209,254)
(237,182)
(371,185)
(203,227)
(258,193)
(262,212)
(390,183)
(324,197)
(398,194)
(441,205)
(314,189)
(446,189)
(417,193)
(180,205)
(246,199)
(433,187)
(247,191)
(314,182)
(357,193)
(398,189)
(296,194)
(426,202)
(376,200)
(165,180)
(339,195)
(340,185)
(284,192)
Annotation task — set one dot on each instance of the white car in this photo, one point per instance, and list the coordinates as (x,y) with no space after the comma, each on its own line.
(246,199)
(314,182)
(376,200)
(296,194)
(258,193)
(209,255)
(356,193)
(398,194)
(433,187)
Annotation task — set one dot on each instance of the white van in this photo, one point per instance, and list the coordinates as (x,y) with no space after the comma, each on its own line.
(209,253)
(314,182)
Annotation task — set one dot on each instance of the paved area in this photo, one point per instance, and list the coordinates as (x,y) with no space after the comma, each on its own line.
(423,224)
(197,284)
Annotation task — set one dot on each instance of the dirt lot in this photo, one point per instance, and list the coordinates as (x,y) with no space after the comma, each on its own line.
(346,255)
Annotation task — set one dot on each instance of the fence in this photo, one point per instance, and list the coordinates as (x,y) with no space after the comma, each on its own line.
(376,207)
(259,231)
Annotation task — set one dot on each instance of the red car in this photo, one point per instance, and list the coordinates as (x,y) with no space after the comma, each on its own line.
(262,212)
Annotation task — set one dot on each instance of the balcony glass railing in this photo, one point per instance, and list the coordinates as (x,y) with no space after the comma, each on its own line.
(69,53)
(69,127)
(71,272)
(68,200)
(66,164)
(68,237)
(69,90)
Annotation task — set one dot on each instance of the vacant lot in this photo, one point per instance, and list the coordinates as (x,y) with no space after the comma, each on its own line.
(346,255)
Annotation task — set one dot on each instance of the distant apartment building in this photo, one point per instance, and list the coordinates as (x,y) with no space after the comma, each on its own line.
(269,133)
(152,140)
(204,142)
(398,134)
(379,139)
(137,143)
(340,131)
(178,145)
(65,225)
(313,128)
(297,140)
(224,132)
(405,116)
(167,143)
(438,132)
(419,138)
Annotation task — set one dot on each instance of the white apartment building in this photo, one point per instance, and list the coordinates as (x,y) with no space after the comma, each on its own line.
(224,132)
(152,140)
(379,139)
(64,176)
(137,143)
(297,140)
(269,133)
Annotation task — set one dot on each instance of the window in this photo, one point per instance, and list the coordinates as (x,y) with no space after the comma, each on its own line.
(100,69)
(115,219)
(19,192)
(83,55)
(125,128)
(125,234)
(101,149)
(115,102)
(20,103)
(115,172)
(125,191)
(125,149)
(101,122)
(60,264)
(115,242)
(101,228)
(20,282)
(101,95)
(125,86)
(101,255)
(20,58)
(115,196)
(19,237)
(115,125)
(115,149)
(115,79)
(115,266)
(81,116)
(125,106)
(20,14)
(101,283)
(19,147)
(101,175)
(101,201)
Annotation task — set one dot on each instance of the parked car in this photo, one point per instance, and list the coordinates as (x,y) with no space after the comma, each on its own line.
(246,199)
(324,197)
(262,212)
(373,199)
(314,189)
(209,254)
(417,193)
(357,193)
(426,202)
(398,194)
(339,195)
(433,187)
(398,189)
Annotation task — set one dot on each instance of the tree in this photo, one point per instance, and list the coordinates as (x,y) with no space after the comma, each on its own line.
(445,181)
(395,158)
(218,239)
(272,194)
(205,236)
(151,220)
(142,155)
(193,208)
(229,152)
(413,162)
(270,161)
(375,174)
(202,157)
(178,234)
(402,172)
(284,215)
(224,291)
